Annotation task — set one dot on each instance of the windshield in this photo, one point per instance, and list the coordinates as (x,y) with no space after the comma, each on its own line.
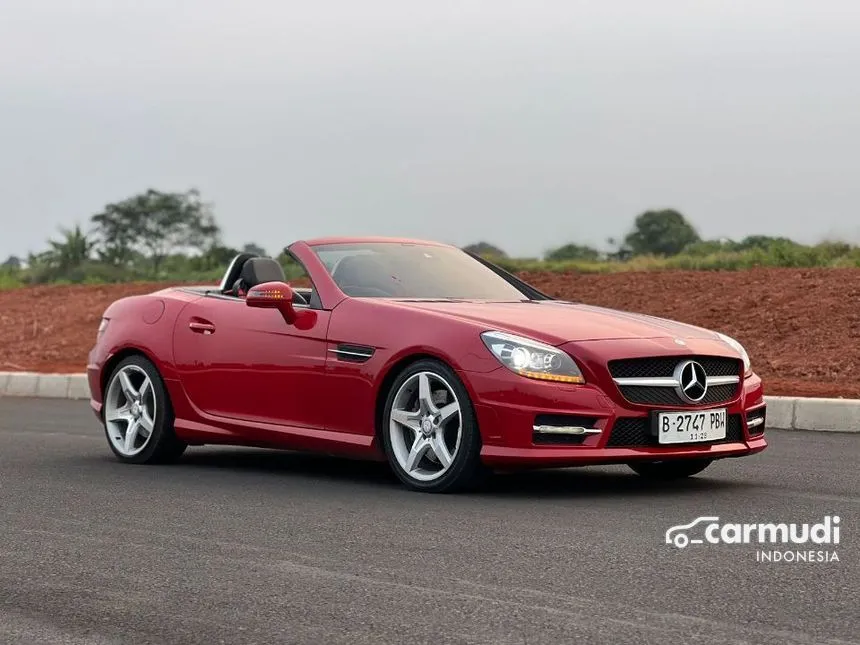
(403,270)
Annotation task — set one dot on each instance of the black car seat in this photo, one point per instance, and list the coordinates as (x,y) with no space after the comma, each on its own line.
(234,271)
(259,270)
(359,275)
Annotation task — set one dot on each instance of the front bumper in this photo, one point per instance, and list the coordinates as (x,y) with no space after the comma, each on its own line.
(509,406)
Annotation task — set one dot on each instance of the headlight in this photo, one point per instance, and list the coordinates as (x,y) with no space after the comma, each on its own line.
(532,359)
(735,345)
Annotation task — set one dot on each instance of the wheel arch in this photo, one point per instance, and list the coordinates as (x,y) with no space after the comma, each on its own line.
(116,359)
(391,372)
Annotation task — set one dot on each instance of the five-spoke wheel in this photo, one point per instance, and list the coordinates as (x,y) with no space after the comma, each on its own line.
(130,410)
(138,417)
(425,426)
(430,434)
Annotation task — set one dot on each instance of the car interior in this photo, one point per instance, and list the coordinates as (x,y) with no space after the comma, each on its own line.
(363,275)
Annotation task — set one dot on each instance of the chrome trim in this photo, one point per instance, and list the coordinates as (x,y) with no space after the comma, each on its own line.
(345,352)
(668,381)
(574,430)
(723,380)
(649,381)
(755,423)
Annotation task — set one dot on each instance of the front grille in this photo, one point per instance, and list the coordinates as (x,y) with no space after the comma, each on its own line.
(664,366)
(630,432)
(668,396)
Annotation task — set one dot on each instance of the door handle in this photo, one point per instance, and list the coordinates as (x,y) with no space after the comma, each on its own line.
(201,327)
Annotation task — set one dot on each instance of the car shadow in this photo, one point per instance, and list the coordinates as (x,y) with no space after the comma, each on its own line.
(594,482)
(587,482)
(284,462)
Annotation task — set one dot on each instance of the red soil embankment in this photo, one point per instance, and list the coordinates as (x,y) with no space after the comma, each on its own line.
(801,326)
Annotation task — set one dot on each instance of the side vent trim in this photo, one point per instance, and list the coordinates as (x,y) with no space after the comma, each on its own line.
(352,353)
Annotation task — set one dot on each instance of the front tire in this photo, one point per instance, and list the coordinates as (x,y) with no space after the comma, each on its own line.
(137,414)
(669,470)
(430,433)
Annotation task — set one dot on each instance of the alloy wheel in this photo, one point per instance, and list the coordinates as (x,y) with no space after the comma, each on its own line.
(425,426)
(130,409)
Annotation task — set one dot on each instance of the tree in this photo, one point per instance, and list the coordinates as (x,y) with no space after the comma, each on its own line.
(621,252)
(664,232)
(763,242)
(573,252)
(485,249)
(709,247)
(68,258)
(214,258)
(12,263)
(73,250)
(156,224)
(254,249)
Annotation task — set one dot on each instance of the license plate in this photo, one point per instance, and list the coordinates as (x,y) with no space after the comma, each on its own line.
(691,427)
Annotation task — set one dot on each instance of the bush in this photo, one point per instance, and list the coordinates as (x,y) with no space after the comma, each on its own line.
(700,256)
(573,252)
(711,256)
(9,279)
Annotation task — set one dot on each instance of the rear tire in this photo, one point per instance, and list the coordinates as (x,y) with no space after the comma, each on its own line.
(429,430)
(137,414)
(668,470)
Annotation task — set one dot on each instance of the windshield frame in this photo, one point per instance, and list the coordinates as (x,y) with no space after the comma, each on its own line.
(522,290)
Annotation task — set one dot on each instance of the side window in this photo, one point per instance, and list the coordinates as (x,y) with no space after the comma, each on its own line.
(298,278)
(294,271)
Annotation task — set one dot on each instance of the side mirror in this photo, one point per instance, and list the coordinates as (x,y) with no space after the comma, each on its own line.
(273,295)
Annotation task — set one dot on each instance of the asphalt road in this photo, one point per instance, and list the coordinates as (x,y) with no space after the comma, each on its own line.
(253,546)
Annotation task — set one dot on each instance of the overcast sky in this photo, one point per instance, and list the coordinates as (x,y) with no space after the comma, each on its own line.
(527,124)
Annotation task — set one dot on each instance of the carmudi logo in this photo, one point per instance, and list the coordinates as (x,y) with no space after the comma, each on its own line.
(708,530)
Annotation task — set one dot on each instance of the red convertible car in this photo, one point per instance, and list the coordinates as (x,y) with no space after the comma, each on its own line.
(422,354)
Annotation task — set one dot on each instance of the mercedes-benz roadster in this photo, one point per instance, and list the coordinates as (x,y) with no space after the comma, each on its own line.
(423,355)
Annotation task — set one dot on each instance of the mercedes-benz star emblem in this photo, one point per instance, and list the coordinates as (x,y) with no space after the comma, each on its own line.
(692,381)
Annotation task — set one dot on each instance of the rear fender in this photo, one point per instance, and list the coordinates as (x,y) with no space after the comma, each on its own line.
(138,325)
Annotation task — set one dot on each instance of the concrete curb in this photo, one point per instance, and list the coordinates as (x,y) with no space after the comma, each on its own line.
(44,386)
(823,415)
(783,412)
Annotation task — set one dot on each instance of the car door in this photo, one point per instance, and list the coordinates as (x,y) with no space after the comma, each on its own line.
(247,364)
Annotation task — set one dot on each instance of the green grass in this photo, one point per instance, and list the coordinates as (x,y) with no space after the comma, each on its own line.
(824,256)
(9,281)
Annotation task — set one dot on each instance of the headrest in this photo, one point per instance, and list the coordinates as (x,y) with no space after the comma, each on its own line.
(360,269)
(259,270)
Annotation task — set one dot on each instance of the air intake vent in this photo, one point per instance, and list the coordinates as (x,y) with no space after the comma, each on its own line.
(629,432)
(756,421)
(352,353)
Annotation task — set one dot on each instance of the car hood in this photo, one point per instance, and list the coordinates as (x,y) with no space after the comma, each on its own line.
(557,322)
